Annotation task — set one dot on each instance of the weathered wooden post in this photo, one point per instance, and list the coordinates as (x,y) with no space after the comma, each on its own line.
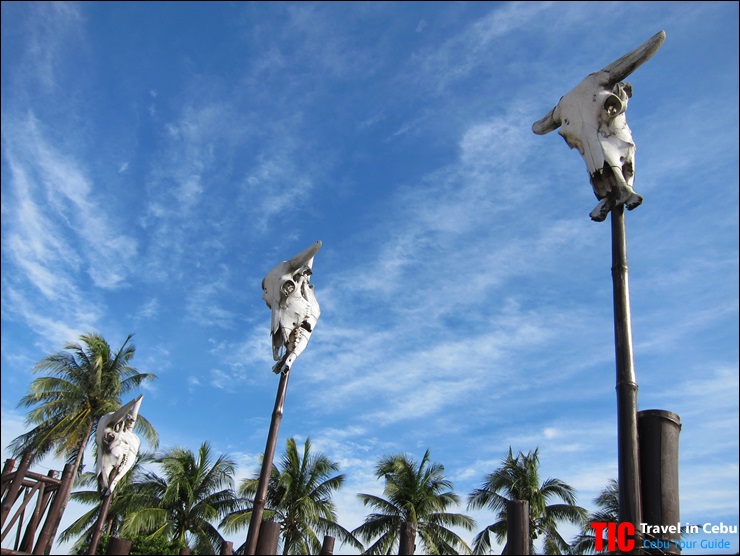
(407,536)
(269,536)
(48,531)
(42,503)
(118,547)
(14,487)
(99,524)
(7,470)
(295,311)
(327,547)
(517,527)
(591,118)
(658,433)
(260,498)
(627,444)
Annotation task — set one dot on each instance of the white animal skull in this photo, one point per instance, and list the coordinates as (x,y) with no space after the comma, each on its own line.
(295,311)
(592,119)
(117,445)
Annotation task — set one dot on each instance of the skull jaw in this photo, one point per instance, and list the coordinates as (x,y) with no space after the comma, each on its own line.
(632,201)
(612,185)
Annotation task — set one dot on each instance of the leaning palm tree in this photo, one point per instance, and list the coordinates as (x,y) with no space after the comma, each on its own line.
(417,497)
(299,498)
(518,479)
(87,381)
(182,506)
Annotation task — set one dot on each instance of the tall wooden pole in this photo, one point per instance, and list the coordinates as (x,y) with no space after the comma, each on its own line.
(517,527)
(98,531)
(264,480)
(630,507)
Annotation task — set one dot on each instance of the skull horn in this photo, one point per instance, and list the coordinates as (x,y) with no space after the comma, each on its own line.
(305,257)
(547,124)
(131,407)
(620,69)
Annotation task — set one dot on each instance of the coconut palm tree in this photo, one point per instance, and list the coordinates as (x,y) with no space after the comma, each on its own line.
(299,498)
(608,511)
(518,479)
(417,497)
(87,381)
(182,506)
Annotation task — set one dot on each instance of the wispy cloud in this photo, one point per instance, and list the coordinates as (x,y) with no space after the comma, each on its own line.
(49,34)
(44,176)
(61,261)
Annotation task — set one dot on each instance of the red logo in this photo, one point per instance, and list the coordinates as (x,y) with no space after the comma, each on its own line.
(618,536)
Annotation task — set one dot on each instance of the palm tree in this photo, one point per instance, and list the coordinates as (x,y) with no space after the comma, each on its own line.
(518,479)
(86,382)
(299,498)
(194,491)
(608,511)
(417,497)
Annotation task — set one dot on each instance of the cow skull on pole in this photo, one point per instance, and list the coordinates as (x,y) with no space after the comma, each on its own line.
(117,445)
(295,311)
(592,119)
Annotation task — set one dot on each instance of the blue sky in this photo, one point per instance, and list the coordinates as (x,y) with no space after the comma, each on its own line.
(159,158)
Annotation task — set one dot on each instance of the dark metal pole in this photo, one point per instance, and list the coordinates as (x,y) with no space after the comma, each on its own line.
(517,527)
(261,496)
(98,531)
(630,509)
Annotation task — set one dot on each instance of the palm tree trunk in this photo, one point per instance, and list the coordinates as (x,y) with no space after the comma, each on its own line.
(407,542)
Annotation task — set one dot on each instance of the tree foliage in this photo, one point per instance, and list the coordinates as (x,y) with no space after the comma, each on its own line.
(140,546)
(417,500)
(84,382)
(299,497)
(194,492)
(518,479)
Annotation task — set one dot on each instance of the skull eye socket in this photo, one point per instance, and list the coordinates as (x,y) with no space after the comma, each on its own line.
(613,105)
(288,287)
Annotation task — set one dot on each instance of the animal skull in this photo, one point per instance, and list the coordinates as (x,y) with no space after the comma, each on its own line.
(117,445)
(295,311)
(592,119)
